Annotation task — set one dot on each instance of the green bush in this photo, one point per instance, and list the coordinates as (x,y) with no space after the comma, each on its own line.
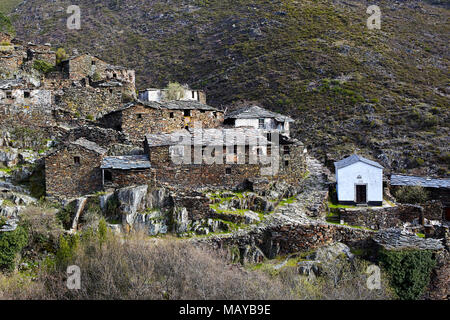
(43,66)
(11,243)
(409,271)
(6,25)
(175,91)
(413,195)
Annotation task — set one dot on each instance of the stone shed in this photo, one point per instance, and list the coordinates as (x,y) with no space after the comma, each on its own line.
(438,189)
(123,171)
(73,169)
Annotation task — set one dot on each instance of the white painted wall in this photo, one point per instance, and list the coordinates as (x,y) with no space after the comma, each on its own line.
(269,124)
(160,94)
(347,178)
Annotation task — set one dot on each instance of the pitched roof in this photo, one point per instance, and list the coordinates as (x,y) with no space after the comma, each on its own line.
(254,112)
(186,105)
(206,137)
(126,162)
(401,180)
(354,158)
(170,105)
(89,145)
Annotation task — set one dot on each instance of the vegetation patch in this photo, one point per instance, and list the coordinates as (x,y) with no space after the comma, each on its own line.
(409,271)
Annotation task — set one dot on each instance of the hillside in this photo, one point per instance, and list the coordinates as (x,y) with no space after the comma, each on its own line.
(383,92)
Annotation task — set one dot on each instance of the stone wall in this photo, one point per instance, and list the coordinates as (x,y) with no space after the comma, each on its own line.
(125,178)
(64,178)
(89,102)
(382,218)
(275,240)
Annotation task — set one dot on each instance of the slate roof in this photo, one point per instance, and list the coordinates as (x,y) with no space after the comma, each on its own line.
(186,105)
(205,137)
(255,112)
(126,162)
(397,239)
(170,105)
(82,142)
(401,180)
(354,158)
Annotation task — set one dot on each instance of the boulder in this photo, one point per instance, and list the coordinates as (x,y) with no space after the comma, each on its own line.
(308,268)
(251,217)
(9,157)
(331,252)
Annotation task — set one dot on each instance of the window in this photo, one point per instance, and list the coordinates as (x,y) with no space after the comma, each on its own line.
(171,115)
(215,114)
(228,171)
(110,90)
(193,94)
(269,136)
(187,113)
(261,123)
(26,94)
(8,94)
(287,150)
(93,62)
(114,75)
(139,115)
(235,149)
(76,160)
(108,175)
(286,163)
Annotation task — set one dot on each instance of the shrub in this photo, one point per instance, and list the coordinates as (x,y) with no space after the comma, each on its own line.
(43,228)
(413,194)
(409,271)
(61,55)
(43,66)
(6,25)
(11,243)
(175,91)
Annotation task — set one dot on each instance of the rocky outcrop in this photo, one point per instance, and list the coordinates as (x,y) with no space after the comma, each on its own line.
(9,156)
(131,200)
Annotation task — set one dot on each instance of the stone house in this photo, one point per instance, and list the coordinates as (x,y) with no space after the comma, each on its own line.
(73,169)
(160,95)
(85,66)
(259,118)
(122,171)
(24,104)
(359,181)
(174,162)
(139,118)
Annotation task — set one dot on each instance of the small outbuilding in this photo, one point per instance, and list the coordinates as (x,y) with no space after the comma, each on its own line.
(359,181)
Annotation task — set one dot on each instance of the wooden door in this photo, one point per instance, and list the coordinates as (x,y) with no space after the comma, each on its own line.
(361,194)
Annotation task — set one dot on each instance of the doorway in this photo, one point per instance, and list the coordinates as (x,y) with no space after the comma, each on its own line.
(361,193)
